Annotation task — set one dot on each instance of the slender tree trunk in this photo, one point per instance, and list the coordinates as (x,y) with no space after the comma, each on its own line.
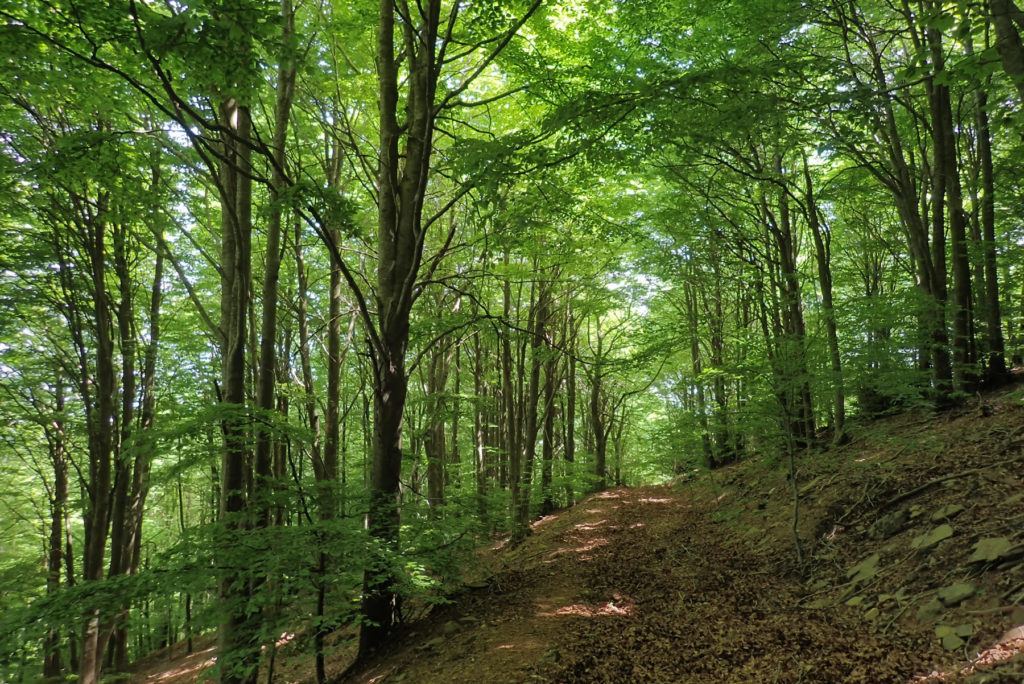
(619,447)
(600,431)
(120,548)
(479,428)
(794,326)
(551,381)
(266,388)
(822,246)
(52,662)
(434,443)
(570,409)
(511,422)
(716,324)
(532,399)
(697,366)
(320,469)
(454,458)
(598,419)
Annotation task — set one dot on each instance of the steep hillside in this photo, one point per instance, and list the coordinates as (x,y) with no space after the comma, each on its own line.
(913,570)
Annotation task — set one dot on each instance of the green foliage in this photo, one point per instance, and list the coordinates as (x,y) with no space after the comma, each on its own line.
(656,171)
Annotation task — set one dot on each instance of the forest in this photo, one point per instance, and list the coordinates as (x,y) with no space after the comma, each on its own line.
(303,301)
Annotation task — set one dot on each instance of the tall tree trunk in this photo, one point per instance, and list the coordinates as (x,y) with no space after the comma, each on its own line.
(479,428)
(697,366)
(320,469)
(822,246)
(52,662)
(796,328)
(539,315)
(716,323)
(101,447)
(570,407)
(434,442)
(995,364)
(266,385)
(551,381)
(598,419)
(404,159)
(401,185)
(511,422)
(454,458)
(120,545)
(238,649)
(946,183)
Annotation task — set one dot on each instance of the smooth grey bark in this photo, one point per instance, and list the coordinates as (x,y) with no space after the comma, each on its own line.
(947,209)
(237,642)
(101,419)
(266,384)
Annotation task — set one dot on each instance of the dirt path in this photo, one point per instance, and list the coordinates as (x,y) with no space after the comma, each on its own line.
(640,585)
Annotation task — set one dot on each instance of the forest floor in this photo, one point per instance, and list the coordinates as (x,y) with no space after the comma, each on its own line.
(912,570)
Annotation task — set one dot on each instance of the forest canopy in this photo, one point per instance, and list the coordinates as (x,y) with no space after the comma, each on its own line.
(301,301)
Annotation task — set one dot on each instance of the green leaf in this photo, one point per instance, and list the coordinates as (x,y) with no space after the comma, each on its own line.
(947,512)
(952,642)
(956,593)
(942,22)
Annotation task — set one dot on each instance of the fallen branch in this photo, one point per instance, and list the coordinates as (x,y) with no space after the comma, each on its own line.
(939,480)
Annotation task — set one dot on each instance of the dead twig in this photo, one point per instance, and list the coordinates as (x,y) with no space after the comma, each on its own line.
(939,480)
(998,609)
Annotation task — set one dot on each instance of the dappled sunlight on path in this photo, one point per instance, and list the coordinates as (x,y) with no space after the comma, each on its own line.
(647,585)
(184,669)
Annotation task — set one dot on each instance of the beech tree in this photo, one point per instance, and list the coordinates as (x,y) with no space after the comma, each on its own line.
(301,302)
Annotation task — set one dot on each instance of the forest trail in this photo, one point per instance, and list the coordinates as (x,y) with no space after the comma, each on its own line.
(913,572)
(643,585)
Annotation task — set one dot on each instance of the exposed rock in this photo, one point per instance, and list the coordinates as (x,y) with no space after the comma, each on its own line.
(932,537)
(954,637)
(955,593)
(433,643)
(864,570)
(990,549)
(930,611)
(1012,634)
(947,513)
(888,525)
